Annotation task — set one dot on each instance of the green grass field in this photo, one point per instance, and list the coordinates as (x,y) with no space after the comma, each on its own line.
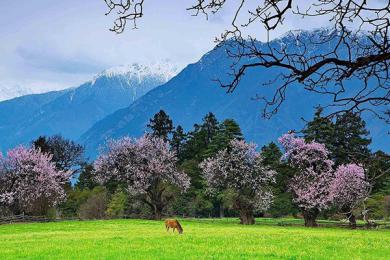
(224,239)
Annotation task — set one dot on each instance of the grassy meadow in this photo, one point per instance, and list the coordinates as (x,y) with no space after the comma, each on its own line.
(202,239)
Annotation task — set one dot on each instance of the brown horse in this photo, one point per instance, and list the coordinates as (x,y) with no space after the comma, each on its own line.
(174,224)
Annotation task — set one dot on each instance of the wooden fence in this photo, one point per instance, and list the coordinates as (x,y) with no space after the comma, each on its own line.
(26,218)
(341,225)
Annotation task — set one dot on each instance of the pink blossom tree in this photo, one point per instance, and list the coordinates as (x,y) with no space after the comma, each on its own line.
(239,169)
(30,182)
(348,189)
(146,165)
(311,184)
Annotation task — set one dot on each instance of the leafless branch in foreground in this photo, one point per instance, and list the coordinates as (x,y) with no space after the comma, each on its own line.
(126,10)
(348,62)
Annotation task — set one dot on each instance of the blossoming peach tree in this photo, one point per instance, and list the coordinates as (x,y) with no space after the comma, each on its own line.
(311,184)
(317,186)
(146,165)
(348,189)
(30,182)
(240,170)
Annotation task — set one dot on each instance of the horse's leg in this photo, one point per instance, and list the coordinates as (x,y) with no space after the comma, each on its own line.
(174,229)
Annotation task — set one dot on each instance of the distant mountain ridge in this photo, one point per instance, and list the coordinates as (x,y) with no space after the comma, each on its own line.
(73,111)
(9,91)
(191,94)
(163,70)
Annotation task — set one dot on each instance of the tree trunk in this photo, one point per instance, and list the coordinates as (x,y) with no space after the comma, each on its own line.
(156,199)
(352,220)
(310,217)
(157,211)
(221,210)
(246,217)
(157,215)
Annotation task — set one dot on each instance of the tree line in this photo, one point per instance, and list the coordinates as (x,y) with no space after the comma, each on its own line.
(326,170)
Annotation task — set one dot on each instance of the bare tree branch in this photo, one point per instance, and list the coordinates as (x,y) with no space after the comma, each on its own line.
(348,62)
(126,10)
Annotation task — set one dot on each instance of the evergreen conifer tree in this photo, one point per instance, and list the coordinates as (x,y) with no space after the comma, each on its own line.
(161,125)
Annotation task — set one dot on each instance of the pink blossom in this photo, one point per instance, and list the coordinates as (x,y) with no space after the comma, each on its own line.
(141,163)
(27,175)
(349,187)
(240,168)
(311,184)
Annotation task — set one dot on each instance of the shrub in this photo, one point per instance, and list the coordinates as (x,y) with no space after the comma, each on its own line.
(375,206)
(75,198)
(117,206)
(387,206)
(95,206)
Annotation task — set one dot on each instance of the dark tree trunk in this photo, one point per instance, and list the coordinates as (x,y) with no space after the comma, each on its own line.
(157,200)
(157,211)
(246,211)
(352,220)
(310,217)
(246,217)
(155,207)
(39,207)
(157,215)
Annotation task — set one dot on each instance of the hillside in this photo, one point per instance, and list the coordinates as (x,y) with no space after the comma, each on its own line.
(194,92)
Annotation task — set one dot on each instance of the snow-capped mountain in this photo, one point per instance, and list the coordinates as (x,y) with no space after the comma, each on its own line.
(8,91)
(71,112)
(164,70)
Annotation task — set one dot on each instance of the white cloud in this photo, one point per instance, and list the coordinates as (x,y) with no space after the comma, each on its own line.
(63,43)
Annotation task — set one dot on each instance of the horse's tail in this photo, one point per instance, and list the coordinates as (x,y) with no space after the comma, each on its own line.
(179,227)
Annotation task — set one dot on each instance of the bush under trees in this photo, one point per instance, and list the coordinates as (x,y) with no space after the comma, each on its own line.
(117,206)
(96,205)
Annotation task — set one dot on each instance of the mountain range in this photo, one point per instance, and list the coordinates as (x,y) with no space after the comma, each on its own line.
(121,101)
(194,92)
(73,111)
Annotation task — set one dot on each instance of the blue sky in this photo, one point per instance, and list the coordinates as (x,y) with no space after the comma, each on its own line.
(46,44)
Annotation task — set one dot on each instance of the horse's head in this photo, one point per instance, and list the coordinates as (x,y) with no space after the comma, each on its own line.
(179,228)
